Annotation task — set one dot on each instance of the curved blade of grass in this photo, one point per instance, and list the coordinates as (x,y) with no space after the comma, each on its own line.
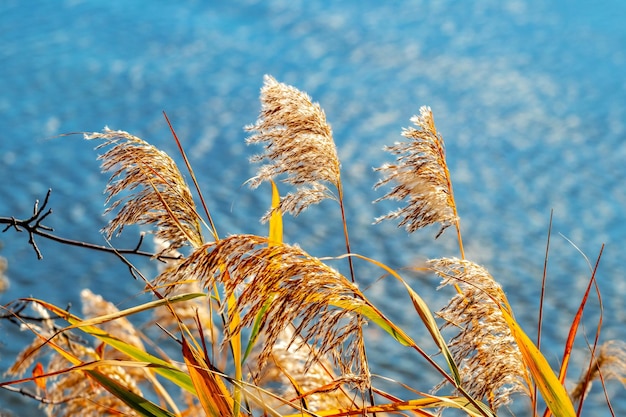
(136,309)
(256,328)
(416,406)
(139,404)
(426,316)
(429,321)
(215,398)
(377,317)
(576,322)
(235,345)
(552,391)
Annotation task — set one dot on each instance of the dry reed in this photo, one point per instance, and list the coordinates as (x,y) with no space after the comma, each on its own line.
(298,145)
(290,287)
(490,362)
(70,392)
(316,387)
(421,176)
(308,316)
(610,363)
(156,190)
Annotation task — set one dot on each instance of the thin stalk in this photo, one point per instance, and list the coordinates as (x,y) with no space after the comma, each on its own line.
(193,178)
(451,202)
(541,300)
(457,223)
(345,229)
(352,277)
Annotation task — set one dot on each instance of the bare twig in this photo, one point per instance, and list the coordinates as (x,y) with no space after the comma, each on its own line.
(33,225)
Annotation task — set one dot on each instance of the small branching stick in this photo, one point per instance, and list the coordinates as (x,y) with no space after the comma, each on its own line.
(35,227)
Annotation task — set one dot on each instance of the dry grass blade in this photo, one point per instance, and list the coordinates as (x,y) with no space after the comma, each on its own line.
(295,288)
(421,176)
(156,190)
(298,144)
(212,393)
(484,346)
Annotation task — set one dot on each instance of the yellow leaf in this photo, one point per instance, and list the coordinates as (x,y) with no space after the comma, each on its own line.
(276,219)
(552,391)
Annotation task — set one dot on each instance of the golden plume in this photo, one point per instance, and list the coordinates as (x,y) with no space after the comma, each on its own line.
(298,144)
(490,362)
(291,287)
(421,176)
(157,192)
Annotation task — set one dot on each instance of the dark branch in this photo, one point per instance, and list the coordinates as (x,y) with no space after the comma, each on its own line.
(33,225)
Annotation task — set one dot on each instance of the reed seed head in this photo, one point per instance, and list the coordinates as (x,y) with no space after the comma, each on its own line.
(71,392)
(150,190)
(490,362)
(291,287)
(287,375)
(298,145)
(421,177)
(610,363)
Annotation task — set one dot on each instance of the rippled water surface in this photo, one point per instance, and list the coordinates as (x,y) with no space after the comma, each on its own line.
(529,96)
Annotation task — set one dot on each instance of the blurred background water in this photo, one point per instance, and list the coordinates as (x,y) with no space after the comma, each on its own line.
(529,96)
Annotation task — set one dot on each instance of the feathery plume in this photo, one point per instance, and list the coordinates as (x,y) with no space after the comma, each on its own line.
(298,143)
(4,281)
(490,362)
(610,363)
(421,176)
(293,286)
(157,192)
(46,329)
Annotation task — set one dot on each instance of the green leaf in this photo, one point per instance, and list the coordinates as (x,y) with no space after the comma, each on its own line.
(141,405)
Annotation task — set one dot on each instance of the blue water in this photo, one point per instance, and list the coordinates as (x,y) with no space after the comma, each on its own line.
(530,97)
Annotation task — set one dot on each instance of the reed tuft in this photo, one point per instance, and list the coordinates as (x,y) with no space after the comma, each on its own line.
(298,144)
(73,394)
(157,193)
(260,327)
(490,362)
(195,314)
(288,286)
(421,176)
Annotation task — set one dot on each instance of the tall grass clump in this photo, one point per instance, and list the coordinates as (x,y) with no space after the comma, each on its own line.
(257,325)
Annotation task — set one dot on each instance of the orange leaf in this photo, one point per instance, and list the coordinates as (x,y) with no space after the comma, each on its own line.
(211,391)
(37,374)
(100,350)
